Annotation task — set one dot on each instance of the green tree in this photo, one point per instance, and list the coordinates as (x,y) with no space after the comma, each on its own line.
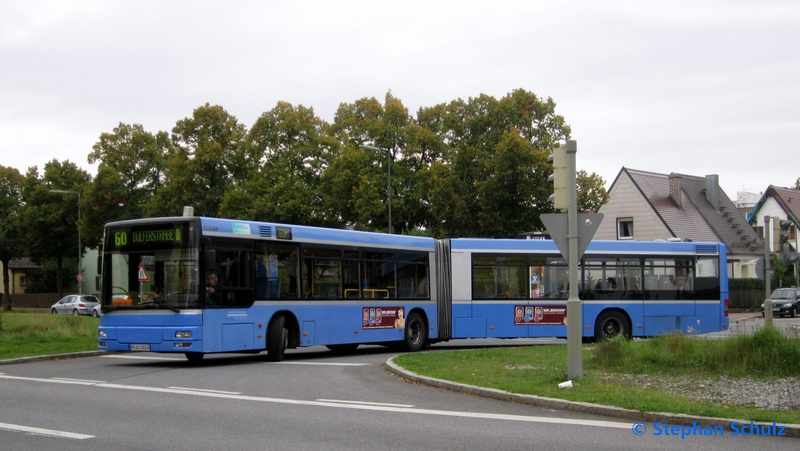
(492,179)
(355,186)
(46,279)
(129,174)
(207,156)
(351,189)
(50,220)
(10,208)
(592,193)
(783,276)
(286,152)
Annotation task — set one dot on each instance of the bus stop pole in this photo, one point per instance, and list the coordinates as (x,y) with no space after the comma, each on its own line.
(574,313)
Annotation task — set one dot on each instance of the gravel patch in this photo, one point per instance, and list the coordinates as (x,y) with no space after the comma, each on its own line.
(774,394)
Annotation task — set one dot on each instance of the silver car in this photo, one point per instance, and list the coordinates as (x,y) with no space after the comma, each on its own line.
(75,304)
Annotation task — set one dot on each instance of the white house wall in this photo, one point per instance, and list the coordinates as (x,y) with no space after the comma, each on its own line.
(773,209)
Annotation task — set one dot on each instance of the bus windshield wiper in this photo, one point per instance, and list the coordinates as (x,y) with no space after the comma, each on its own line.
(164,304)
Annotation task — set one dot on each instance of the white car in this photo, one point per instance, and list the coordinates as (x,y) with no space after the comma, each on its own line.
(96,311)
(75,304)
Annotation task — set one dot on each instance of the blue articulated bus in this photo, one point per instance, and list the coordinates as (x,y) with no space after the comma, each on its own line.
(197,286)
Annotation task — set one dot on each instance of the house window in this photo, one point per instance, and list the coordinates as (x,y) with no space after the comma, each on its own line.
(624,228)
(23,281)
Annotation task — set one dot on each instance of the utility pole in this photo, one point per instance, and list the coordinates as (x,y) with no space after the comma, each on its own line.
(767,275)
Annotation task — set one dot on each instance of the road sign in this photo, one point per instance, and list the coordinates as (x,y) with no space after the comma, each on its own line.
(143,277)
(79,277)
(557,226)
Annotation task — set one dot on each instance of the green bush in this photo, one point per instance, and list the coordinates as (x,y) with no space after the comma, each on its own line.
(746,284)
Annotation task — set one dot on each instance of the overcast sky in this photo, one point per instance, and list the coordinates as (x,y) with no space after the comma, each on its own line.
(696,87)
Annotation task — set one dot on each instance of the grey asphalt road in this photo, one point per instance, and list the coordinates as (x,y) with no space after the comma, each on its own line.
(313,400)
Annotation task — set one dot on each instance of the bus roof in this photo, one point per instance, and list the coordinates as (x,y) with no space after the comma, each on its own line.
(237,228)
(597,246)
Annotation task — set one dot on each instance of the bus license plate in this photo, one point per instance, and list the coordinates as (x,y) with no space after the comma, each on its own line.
(140,347)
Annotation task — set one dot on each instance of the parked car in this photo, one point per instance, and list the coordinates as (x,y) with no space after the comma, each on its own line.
(75,304)
(784,302)
(96,311)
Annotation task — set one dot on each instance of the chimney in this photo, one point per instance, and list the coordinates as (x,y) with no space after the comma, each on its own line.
(712,190)
(675,189)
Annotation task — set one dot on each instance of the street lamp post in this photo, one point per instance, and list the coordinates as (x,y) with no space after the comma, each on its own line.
(80,259)
(389,181)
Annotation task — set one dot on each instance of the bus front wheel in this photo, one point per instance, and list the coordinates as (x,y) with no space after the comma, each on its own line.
(277,339)
(415,333)
(612,324)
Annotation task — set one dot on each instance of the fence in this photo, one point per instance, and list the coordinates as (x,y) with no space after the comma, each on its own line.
(37,300)
(746,298)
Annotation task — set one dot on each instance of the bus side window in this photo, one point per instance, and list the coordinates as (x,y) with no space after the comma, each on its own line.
(276,270)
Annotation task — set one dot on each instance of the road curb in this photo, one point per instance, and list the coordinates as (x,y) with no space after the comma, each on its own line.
(40,358)
(791,430)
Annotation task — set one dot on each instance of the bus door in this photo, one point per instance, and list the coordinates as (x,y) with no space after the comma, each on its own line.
(548,287)
(229,322)
(499,285)
(668,293)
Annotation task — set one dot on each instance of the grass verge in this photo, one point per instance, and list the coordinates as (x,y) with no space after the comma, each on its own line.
(34,334)
(537,370)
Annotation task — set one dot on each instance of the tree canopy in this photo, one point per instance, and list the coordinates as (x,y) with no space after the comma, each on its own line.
(10,207)
(467,168)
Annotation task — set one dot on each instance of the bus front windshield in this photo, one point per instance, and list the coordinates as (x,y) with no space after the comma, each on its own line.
(151,269)
(155,279)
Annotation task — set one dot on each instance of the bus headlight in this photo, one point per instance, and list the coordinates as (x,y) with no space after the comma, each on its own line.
(101,333)
(183,334)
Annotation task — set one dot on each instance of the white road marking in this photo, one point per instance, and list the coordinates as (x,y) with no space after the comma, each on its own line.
(77,380)
(366,403)
(206,391)
(340,405)
(47,432)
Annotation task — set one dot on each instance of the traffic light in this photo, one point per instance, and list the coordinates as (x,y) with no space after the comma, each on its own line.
(559,178)
(787,252)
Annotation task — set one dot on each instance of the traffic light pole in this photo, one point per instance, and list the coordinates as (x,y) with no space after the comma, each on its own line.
(574,310)
(572,232)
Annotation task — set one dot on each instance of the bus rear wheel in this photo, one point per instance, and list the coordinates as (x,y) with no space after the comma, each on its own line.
(416,333)
(612,324)
(277,339)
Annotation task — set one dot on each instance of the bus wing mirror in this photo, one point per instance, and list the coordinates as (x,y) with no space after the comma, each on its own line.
(209,260)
